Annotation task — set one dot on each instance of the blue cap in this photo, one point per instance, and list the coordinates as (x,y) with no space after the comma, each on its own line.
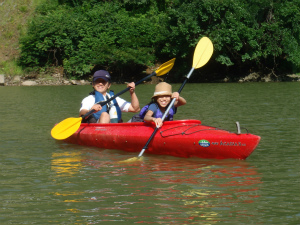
(103,74)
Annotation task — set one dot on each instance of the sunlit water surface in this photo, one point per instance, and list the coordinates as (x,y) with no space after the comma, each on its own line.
(44,181)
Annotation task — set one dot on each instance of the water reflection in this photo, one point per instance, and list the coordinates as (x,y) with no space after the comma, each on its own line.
(157,190)
(44,182)
(66,163)
(212,187)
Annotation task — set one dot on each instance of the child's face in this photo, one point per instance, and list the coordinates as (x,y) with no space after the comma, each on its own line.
(163,100)
(101,85)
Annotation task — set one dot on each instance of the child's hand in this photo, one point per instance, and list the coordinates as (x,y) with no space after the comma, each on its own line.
(158,122)
(175,95)
(97,107)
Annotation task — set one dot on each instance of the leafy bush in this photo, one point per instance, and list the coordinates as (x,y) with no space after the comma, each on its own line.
(80,38)
(83,35)
(247,35)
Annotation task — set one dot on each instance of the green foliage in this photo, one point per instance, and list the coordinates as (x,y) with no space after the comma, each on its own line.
(10,68)
(82,35)
(80,38)
(246,34)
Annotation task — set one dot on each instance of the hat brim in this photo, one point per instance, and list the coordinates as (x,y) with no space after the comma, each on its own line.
(162,93)
(103,78)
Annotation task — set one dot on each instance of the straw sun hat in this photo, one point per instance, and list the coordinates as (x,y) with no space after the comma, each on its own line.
(162,88)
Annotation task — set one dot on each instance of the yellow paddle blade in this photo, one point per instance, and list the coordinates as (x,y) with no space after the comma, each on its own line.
(203,52)
(165,67)
(131,160)
(66,128)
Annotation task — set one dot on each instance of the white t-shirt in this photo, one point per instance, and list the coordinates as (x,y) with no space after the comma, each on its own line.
(88,102)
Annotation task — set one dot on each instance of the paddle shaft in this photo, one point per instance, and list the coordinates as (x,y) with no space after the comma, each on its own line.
(166,112)
(113,97)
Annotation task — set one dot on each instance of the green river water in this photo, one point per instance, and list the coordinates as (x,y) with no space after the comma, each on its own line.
(45,181)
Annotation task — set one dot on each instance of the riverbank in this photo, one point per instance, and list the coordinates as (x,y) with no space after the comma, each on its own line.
(58,79)
(53,80)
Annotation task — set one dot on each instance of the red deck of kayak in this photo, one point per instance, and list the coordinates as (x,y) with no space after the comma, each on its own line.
(181,138)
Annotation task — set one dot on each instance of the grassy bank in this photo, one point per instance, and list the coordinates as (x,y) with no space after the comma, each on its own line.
(14,15)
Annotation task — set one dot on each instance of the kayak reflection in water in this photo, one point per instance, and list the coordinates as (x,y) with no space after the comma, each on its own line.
(154,111)
(111,112)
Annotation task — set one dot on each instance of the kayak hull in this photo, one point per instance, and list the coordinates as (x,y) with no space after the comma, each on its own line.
(180,138)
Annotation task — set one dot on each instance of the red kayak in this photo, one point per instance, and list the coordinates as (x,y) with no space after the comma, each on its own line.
(180,138)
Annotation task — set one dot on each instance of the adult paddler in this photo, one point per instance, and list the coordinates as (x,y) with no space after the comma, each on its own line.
(111,112)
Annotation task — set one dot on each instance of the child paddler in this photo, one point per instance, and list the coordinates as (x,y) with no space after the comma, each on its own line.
(159,103)
(111,112)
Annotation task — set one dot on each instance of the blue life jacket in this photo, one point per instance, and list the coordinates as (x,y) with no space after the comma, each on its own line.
(107,107)
(158,113)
